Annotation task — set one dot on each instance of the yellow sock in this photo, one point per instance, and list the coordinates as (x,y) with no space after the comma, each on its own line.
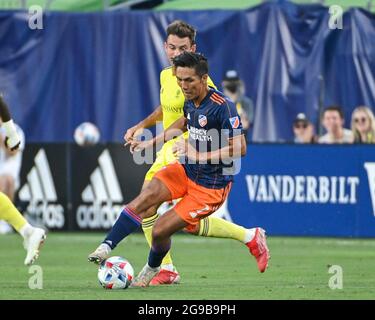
(147,225)
(10,214)
(220,228)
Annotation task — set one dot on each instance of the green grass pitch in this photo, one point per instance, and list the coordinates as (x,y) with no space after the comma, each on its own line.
(210,269)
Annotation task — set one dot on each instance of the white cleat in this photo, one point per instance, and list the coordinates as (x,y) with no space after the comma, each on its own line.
(32,244)
(144,278)
(100,254)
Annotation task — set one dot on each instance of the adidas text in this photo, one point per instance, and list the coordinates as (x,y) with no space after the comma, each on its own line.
(97,216)
(52,215)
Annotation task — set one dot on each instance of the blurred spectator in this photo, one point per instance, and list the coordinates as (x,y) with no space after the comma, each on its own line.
(234,88)
(333,121)
(303,130)
(363,125)
(10,167)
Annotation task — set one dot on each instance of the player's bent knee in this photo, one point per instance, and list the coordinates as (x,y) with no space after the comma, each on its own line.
(159,233)
(156,236)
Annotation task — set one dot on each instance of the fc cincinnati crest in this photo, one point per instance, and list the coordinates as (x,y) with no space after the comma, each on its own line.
(234,122)
(202,120)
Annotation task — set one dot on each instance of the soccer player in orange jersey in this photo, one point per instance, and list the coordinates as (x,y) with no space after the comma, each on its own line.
(203,186)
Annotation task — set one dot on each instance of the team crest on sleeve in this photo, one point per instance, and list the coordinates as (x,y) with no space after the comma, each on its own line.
(234,122)
(202,119)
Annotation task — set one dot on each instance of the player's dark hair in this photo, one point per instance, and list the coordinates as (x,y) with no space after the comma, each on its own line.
(192,60)
(334,108)
(181,29)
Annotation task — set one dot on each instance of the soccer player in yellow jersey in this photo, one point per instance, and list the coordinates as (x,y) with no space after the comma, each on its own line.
(180,38)
(33,237)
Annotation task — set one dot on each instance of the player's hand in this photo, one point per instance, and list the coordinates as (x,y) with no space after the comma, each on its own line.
(12,143)
(138,146)
(179,148)
(131,134)
(183,148)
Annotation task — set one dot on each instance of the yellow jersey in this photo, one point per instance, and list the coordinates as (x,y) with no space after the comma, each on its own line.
(171,97)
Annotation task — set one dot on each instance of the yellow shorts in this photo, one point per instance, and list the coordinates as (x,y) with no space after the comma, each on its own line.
(164,157)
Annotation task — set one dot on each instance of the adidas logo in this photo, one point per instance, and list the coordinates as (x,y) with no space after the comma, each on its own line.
(102,191)
(40,191)
(104,184)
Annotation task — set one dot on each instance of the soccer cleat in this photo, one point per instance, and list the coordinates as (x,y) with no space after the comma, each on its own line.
(144,278)
(258,248)
(32,244)
(165,277)
(100,254)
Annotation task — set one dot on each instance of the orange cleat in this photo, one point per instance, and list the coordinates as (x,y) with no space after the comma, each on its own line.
(165,277)
(258,248)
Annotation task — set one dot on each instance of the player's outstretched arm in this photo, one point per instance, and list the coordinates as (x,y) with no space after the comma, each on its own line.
(12,140)
(148,122)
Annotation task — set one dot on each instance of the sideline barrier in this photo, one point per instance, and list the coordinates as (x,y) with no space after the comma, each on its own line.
(308,190)
(317,190)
